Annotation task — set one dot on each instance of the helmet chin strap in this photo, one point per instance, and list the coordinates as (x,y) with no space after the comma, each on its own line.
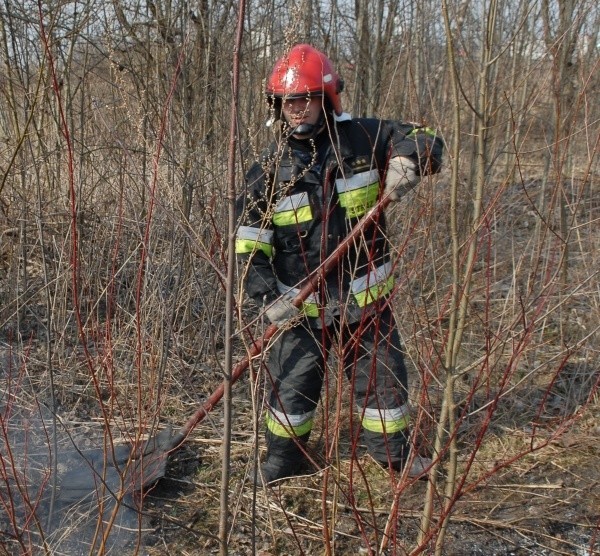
(307,131)
(304,129)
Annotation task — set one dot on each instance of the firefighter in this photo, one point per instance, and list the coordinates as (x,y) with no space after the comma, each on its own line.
(322,173)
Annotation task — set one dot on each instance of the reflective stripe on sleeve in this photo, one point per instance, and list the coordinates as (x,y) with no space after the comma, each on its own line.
(250,239)
(375,284)
(288,426)
(291,210)
(385,420)
(427,130)
(358,193)
(309,306)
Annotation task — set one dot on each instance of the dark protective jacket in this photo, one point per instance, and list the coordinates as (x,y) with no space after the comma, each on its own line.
(303,197)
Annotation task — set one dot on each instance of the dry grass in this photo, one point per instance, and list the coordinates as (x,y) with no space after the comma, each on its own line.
(127,336)
(527,405)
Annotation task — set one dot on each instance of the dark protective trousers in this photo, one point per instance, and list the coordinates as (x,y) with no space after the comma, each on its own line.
(374,364)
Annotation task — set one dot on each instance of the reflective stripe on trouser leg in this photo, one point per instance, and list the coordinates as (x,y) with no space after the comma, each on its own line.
(374,364)
(295,367)
(386,433)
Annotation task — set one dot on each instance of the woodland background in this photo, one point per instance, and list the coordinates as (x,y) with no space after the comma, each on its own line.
(125,131)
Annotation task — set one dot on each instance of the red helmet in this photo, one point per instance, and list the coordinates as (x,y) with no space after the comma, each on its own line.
(305,70)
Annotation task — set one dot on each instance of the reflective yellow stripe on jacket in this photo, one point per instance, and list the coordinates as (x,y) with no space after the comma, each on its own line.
(291,210)
(358,193)
(386,420)
(250,239)
(377,283)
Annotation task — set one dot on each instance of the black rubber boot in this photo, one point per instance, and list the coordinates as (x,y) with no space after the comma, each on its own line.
(389,450)
(285,458)
(419,467)
(276,468)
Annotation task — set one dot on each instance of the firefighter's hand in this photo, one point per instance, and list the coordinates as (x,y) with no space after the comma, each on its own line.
(281,311)
(401,177)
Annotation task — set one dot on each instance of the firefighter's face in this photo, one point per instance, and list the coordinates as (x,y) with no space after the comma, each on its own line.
(304,111)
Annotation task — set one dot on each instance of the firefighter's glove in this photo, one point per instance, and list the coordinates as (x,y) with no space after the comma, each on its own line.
(401,177)
(281,311)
